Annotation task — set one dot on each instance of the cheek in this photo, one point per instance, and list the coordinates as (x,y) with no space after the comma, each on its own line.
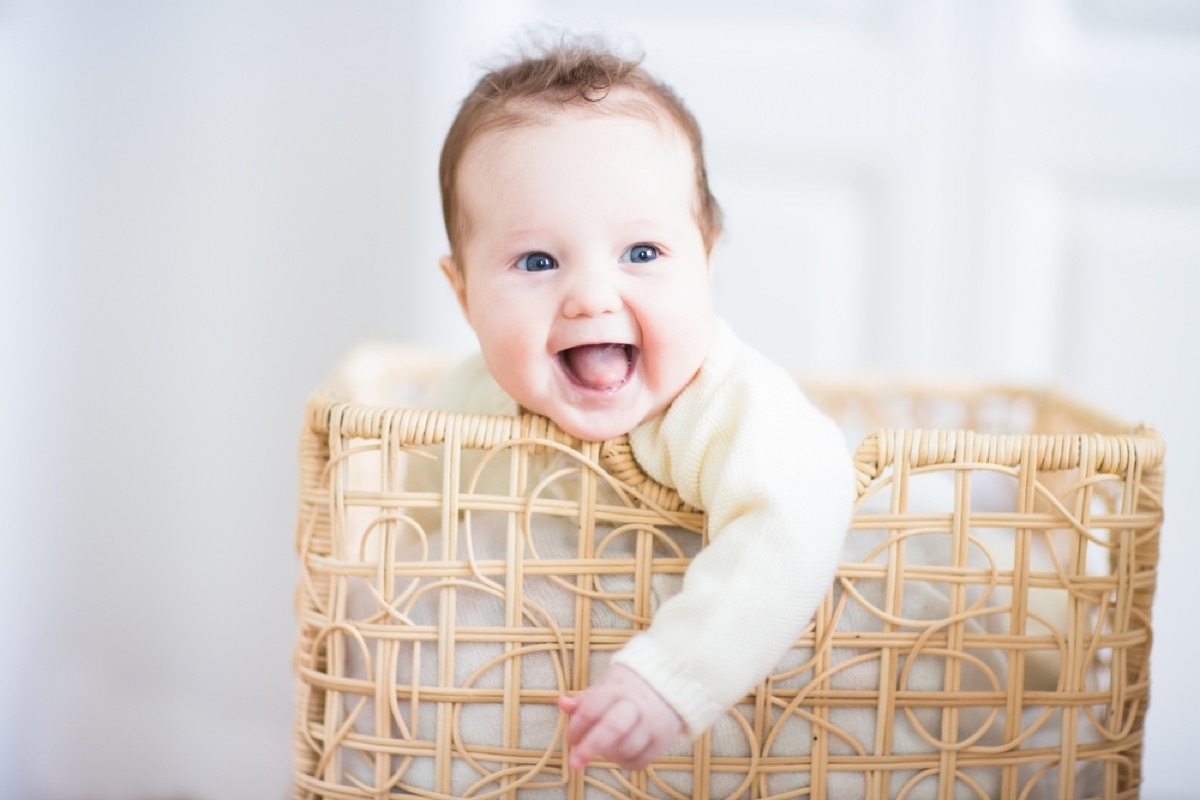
(491,324)
(680,337)
(499,347)
(683,354)
(512,355)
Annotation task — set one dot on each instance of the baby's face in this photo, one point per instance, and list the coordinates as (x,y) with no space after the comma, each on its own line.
(583,270)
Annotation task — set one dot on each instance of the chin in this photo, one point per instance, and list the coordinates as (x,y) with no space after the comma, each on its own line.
(595,430)
(596,433)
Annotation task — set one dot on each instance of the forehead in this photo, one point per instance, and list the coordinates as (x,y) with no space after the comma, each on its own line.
(609,145)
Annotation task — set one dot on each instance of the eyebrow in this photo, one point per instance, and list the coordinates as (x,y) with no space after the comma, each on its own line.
(519,238)
(523,233)
(646,223)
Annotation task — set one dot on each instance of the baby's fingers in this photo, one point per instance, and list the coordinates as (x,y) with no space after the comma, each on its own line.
(604,737)
(634,750)
(586,710)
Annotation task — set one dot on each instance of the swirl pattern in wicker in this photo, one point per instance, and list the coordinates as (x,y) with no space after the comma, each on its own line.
(987,635)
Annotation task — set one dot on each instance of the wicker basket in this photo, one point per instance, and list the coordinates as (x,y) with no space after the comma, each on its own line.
(987,636)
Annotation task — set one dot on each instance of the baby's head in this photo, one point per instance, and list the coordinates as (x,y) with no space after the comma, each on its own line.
(580,224)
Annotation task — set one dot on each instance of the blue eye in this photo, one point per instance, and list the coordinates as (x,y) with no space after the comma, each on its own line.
(640,254)
(536,262)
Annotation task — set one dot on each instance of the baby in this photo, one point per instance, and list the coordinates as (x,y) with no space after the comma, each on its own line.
(581,227)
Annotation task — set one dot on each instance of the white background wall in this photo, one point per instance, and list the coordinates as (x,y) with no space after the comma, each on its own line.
(203,205)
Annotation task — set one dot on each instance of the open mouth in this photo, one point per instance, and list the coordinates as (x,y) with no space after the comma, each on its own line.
(603,367)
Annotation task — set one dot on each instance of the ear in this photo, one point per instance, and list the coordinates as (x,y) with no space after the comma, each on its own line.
(453,273)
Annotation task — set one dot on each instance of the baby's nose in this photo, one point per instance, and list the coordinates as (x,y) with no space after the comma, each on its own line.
(592,293)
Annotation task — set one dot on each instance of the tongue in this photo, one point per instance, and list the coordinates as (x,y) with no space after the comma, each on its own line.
(599,366)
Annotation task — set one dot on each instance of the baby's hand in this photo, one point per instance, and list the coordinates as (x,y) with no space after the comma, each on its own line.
(619,718)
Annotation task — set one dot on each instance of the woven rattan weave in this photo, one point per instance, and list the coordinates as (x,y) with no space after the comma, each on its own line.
(987,636)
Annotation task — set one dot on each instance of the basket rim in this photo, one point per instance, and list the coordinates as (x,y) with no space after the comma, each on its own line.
(1132,447)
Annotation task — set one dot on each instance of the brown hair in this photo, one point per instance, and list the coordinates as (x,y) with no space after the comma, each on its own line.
(567,73)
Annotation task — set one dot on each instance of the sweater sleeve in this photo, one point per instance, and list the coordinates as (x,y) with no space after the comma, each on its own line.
(774,476)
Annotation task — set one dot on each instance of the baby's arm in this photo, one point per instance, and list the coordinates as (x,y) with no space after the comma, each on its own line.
(775,479)
(621,718)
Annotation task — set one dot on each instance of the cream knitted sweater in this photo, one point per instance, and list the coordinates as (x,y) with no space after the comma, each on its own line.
(774,476)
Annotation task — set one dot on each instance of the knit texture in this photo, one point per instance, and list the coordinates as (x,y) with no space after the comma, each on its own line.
(775,478)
